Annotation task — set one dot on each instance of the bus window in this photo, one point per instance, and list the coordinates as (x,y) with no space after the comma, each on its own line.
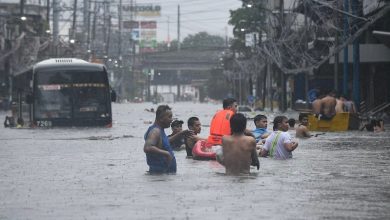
(91,91)
(53,95)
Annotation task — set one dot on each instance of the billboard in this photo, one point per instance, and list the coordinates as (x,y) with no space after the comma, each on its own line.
(145,32)
(143,10)
(135,35)
(148,24)
(130,24)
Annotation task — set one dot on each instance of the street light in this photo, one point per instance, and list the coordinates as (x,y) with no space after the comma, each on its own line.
(23,18)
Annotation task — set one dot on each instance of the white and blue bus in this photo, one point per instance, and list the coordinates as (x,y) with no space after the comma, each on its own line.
(64,92)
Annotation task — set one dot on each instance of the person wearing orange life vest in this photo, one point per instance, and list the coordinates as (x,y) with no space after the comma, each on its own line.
(220,124)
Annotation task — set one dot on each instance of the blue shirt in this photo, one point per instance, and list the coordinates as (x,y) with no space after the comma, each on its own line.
(157,162)
(258,132)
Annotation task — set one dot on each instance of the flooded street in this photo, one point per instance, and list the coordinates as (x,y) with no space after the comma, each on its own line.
(99,173)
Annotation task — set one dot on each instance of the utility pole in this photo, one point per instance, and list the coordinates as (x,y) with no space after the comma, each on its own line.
(56,16)
(85,22)
(22,7)
(336,57)
(132,75)
(226,37)
(21,25)
(346,59)
(95,12)
(74,19)
(89,31)
(108,36)
(269,85)
(178,49)
(105,7)
(240,87)
(120,31)
(123,89)
(338,4)
(48,12)
(168,36)
(305,62)
(178,28)
(356,61)
(282,75)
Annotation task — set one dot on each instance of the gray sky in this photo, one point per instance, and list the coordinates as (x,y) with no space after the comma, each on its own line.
(196,15)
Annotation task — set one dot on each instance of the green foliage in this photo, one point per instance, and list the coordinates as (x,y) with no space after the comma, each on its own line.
(247,20)
(202,40)
(163,46)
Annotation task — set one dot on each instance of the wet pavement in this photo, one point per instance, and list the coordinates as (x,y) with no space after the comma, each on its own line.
(99,173)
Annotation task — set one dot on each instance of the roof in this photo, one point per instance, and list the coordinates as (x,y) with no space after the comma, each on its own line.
(70,63)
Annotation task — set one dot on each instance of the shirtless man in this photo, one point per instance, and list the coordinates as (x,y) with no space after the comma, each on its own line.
(239,150)
(325,106)
(328,107)
(302,131)
(316,106)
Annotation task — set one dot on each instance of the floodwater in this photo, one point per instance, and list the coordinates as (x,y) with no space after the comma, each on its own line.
(99,173)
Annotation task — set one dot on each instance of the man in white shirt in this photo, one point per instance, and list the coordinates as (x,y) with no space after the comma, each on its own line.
(279,144)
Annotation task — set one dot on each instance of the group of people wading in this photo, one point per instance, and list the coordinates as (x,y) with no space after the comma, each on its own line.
(227,130)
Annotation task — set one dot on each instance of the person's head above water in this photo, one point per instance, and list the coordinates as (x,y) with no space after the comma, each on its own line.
(238,123)
(193,124)
(230,103)
(291,122)
(280,123)
(163,116)
(176,126)
(260,121)
(304,119)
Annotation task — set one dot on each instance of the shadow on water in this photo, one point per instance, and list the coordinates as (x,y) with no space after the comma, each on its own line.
(97,173)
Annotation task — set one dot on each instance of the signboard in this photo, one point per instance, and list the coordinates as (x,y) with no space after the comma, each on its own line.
(144,32)
(251,39)
(144,10)
(148,34)
(370,6)
(130,24)
(148,24)
(135,34)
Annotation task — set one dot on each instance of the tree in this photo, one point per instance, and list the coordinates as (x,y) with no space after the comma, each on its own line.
(202,40)
(163,46)
(247,19)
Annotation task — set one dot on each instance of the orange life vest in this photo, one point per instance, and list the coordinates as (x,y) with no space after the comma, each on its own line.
(220,126)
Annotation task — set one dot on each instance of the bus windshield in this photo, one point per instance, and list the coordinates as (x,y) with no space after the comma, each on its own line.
(71,94)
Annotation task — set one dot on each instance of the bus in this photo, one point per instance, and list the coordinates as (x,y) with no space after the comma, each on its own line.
(63,92)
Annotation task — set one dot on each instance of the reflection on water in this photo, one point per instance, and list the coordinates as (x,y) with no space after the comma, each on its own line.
(98,173)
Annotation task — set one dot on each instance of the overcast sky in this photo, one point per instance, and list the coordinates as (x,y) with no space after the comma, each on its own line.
(196,15)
